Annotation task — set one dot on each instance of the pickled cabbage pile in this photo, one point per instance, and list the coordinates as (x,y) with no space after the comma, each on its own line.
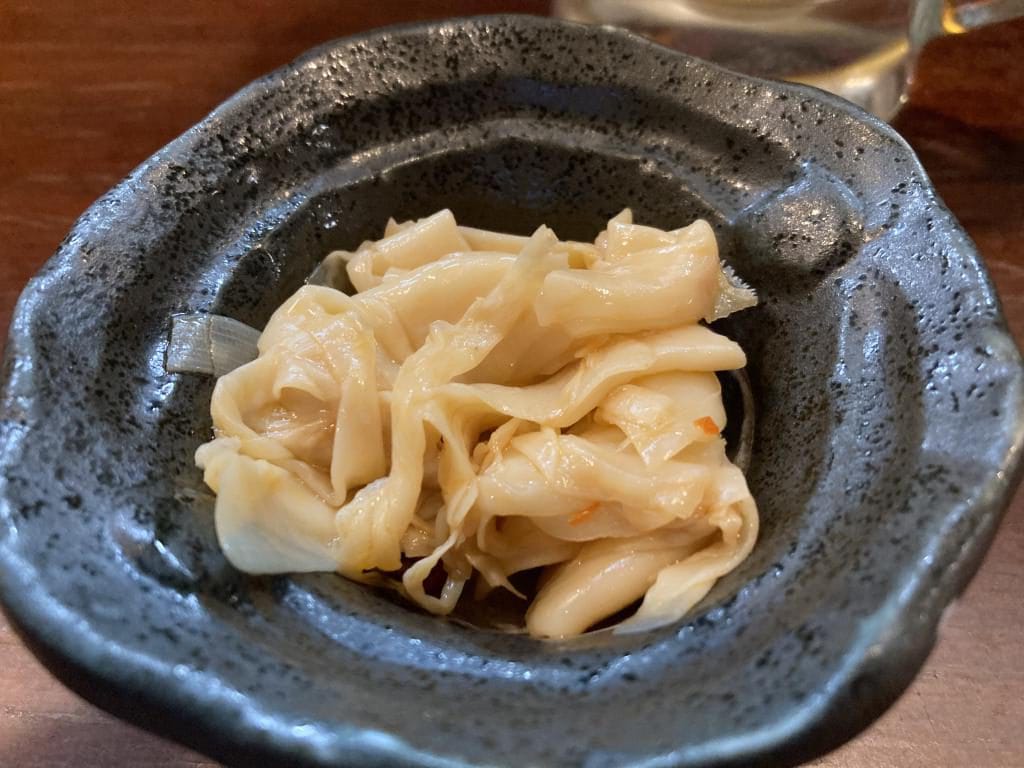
(487,404)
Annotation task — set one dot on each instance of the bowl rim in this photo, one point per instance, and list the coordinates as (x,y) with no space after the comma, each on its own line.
(89,663)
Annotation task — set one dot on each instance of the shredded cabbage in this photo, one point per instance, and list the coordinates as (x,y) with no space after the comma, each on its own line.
(487,404)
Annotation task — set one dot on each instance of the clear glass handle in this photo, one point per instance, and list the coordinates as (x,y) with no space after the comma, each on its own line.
(935,18)
(863,50)
(972,15)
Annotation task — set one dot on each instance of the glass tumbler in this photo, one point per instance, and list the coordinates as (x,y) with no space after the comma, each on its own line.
(863,50)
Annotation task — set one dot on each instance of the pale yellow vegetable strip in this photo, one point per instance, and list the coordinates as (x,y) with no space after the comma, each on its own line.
(408,247)
(568,395)
(599,581)
(678,588)
(285,528)
(661,414)
(380,512)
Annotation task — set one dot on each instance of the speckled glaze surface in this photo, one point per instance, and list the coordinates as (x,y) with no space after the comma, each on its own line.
(889,410)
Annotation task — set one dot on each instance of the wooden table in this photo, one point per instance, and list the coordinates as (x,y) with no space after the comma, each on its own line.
(89,89)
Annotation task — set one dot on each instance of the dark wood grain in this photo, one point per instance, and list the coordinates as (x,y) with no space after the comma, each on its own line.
(89,89)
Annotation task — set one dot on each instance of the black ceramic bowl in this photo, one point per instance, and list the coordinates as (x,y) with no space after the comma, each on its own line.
(889,410)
